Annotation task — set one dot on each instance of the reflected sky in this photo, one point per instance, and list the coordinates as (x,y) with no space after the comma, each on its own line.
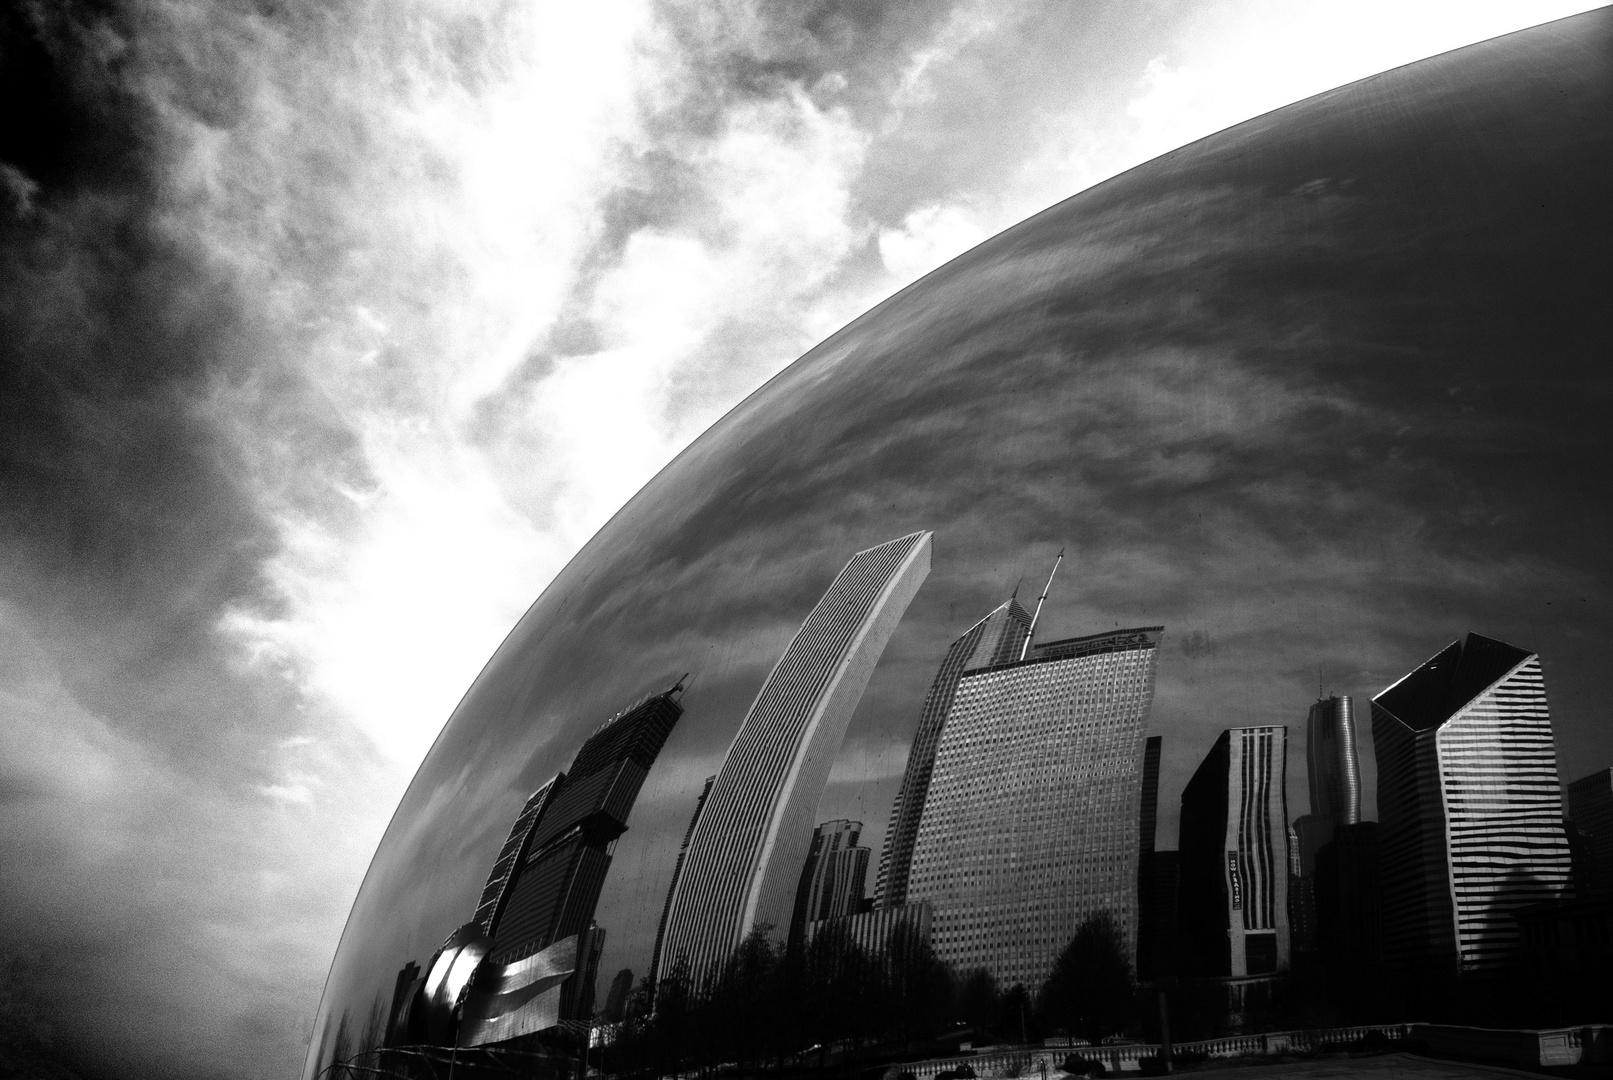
(1318,394)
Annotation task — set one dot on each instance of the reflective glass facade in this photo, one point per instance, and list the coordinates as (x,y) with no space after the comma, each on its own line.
(1031,823)
(1213,378)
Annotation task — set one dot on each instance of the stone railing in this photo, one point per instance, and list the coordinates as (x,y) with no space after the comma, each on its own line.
(1028,1061)
(1532,1049)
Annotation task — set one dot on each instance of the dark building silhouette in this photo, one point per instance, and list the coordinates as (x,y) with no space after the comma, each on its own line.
(621,988)
(999,638)
(1333,770)
(1470,808)
(1159,874)
(528,959)
(1590,808)
(579,814)
(1349,906)
(1233,905)
(833,878)
(1148,909)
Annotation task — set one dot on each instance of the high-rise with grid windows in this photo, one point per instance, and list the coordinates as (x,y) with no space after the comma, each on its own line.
(1031,820)
(1470,811)
(999,638)
(753,833)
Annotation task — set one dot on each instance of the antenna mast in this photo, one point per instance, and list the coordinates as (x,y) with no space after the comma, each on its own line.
(1025,648)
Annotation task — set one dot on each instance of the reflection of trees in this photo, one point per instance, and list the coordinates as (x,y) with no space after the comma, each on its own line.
(1090,992)
(826,1003)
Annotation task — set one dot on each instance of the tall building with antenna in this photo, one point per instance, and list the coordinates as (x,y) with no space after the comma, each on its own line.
(752,835)
(997,639)
(1032,818)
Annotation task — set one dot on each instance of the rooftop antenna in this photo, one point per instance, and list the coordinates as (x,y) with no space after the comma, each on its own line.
(1025,648)
(1015,594)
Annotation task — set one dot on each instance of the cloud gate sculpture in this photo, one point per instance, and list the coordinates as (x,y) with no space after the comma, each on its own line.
(1303,403)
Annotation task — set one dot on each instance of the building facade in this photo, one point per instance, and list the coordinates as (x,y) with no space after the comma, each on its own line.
(751,838)
(833,878)
(1334,770)
(997,639)
(1469,805)
(1234,861)
(1032,818)
(1590,808)
(677,872)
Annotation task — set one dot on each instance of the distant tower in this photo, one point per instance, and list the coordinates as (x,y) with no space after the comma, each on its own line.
(1590,807)
(677,872)
(997,639)
(621,988)
(1471,813)
(1335,784)
(1234,855)
(1032,818)
(833,878)
(745,856)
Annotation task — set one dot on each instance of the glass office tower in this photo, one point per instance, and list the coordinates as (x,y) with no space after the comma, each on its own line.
(999,638)
(1031,822)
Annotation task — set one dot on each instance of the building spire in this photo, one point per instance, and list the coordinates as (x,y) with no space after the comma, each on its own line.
(1025,648)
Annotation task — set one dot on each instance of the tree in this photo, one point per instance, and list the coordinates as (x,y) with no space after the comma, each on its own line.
(1091,992)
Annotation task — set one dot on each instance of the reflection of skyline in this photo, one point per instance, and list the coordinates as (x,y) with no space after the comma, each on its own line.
(1246,438)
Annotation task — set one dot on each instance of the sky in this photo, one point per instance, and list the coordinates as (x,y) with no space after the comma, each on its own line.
(331,332)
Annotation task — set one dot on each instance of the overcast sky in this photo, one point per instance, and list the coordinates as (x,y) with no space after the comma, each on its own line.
(331,331)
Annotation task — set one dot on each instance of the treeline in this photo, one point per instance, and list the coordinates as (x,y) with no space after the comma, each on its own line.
(832,1003)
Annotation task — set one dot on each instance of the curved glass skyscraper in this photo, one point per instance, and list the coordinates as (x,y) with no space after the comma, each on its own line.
(751,837)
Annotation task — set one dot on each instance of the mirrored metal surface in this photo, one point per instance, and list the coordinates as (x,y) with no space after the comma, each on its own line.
(1318,395)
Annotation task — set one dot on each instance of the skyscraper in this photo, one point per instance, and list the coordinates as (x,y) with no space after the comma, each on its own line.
(1469,805)
(1234,855)
(1590,807)
(1153,874)
(1032,817)
(1334,771)
(749,843)
(677,872)
(568,827)
(527,960)
(833,877)
(999,638)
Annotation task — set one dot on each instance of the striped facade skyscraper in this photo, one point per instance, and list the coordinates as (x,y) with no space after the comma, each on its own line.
(1031,820)
(1469,805)
(833,878)
(1234,855)
(752,835)
(997,639)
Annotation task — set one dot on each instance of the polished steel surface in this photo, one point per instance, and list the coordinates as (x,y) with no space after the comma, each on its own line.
(1322,391)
